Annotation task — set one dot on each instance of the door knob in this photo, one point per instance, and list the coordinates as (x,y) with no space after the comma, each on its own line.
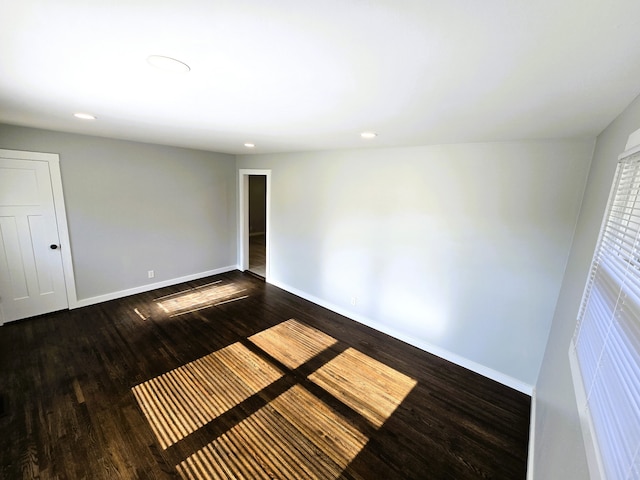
(53,246)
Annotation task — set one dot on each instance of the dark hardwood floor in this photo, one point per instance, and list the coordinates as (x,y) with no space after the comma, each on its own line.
(257,254)
(213,379)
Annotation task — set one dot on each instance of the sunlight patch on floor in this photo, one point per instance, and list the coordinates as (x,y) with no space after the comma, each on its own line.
(199,298)
(295,436)
(292,343)
(140,314)
(368,386)
(181,401)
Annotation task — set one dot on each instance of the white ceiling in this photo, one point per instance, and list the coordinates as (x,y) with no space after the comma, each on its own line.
(299,75)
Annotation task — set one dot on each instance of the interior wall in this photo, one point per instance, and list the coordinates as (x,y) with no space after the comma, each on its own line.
(134,207)
(461,247)
(559,451)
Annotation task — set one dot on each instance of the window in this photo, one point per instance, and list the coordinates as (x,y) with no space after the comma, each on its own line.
(605,350)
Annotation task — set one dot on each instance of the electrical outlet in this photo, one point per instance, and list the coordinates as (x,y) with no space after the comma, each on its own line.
(151,274)
(354,301)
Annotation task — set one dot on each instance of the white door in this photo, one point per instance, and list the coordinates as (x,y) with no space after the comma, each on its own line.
(32,280)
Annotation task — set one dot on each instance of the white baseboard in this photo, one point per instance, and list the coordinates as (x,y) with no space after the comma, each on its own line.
(532,436)
(151,286)
(499,377)
(428,347)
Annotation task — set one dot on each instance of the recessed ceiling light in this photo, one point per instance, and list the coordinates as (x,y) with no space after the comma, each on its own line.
(84,116)
(368,135)
(168,64)
(250,145)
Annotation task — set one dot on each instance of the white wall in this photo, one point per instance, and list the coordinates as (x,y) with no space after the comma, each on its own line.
(134,207)
(559,451)
(457,247)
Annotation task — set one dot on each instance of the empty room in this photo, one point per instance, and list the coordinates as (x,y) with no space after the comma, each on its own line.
(285,240)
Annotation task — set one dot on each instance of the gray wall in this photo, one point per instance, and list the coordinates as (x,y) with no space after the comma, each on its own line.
(134,207)
(559,451)
(461,247)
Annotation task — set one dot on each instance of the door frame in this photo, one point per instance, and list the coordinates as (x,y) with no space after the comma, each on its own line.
(53,159)
(243,218)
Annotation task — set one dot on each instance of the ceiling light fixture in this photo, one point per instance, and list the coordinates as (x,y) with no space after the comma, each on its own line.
(168,64)
(250,145)
(368,135)
(84,116)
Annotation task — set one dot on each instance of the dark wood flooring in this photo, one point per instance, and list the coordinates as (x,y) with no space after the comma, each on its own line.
(257,255)
(136,388)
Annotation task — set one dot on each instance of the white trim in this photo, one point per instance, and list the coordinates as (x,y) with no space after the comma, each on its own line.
(499,377)
(243,218)
(632,150)
(633,140)
(532,436)
(152,286)
(594,461)
(53,159)
(24,155)
(63,232)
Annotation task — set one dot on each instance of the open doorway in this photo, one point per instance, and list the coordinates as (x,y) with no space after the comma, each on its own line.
(258,224)
(253,233)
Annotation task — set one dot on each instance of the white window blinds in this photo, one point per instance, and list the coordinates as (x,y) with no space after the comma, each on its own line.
(605,351)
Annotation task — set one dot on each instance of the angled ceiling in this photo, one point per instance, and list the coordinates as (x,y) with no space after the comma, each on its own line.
(299,75)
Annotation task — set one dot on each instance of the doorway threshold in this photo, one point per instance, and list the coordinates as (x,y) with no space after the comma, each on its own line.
(256,275)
